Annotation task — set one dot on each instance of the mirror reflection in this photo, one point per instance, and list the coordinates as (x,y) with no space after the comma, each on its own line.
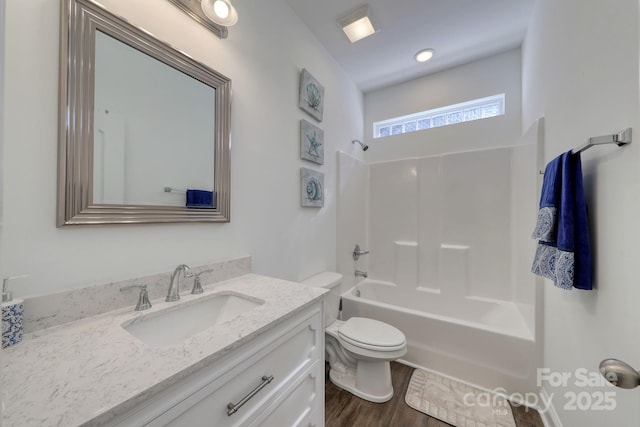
(154,129)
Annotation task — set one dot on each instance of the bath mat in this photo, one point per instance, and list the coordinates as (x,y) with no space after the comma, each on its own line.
(456,403)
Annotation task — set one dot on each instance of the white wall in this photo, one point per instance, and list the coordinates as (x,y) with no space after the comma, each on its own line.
(490,76)
(580,71)
(263,56)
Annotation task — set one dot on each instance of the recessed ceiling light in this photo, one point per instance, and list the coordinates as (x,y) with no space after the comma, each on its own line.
(357,24)
(424,55)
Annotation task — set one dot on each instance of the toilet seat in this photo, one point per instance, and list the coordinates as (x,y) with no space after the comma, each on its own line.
(370,334)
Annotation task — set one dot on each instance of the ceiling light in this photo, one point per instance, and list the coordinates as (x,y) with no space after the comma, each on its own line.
(424,55)
(220,12)
(357,24)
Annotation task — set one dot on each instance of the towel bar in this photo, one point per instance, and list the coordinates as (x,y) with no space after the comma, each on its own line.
(620,139)
(175,190)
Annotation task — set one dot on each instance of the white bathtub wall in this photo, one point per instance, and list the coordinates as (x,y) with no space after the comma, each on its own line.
(352,215)
(454,272)
(475,212)
(393,213)
(430,230)
(444,223)
(528,292)
(406,263)
(524,205)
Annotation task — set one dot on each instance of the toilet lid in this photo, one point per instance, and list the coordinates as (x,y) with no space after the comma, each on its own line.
(372,334)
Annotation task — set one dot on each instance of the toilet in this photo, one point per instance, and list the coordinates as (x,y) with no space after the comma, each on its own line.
(358,350)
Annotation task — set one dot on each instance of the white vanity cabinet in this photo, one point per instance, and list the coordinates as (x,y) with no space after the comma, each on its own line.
(276,379)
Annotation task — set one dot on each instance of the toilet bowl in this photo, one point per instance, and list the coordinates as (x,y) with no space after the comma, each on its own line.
(359,349)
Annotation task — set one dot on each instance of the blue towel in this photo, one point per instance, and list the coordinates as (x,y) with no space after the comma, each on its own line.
(564,251)
(201,199)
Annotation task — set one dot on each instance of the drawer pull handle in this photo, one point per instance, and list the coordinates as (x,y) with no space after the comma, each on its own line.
(232,408)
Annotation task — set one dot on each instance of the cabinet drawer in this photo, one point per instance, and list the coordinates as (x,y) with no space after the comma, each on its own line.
(295,351)
(298,405)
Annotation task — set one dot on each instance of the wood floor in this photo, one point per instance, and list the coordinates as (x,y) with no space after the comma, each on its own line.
(342,409)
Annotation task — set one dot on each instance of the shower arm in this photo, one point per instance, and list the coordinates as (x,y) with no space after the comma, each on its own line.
(362,145)
(357,252)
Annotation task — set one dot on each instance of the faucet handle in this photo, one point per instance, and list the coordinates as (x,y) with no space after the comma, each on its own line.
(357,252)
(197,286)
(143,298)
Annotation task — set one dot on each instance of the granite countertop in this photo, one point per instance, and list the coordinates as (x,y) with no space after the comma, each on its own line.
(89,371)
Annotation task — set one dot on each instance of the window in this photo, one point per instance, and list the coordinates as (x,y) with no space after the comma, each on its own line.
(476,109)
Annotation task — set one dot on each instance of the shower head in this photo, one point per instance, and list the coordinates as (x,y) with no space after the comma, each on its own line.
(364,147)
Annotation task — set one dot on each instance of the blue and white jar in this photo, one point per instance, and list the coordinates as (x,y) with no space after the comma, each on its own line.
(12,317)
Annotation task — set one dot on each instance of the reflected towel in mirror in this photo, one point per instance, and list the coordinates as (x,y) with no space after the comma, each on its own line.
(201,199)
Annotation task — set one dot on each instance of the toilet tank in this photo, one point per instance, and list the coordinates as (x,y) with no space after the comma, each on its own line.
(332,281)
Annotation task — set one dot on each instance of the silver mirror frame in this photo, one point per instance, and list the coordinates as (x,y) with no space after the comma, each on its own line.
(79,21)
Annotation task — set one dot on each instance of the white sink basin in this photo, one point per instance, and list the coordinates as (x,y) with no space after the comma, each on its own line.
(174,325)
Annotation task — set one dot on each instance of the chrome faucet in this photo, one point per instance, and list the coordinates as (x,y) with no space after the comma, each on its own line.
(359,273)
(174,286)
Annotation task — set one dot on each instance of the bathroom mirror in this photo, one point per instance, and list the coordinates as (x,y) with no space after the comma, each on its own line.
(140,124)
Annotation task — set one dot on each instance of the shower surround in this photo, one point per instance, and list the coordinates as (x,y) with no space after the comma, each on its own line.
(450,242)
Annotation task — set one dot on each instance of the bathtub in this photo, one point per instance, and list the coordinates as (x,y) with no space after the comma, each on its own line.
(485,342)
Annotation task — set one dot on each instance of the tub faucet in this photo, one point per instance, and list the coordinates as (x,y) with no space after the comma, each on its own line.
(174,285)
(359,273)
